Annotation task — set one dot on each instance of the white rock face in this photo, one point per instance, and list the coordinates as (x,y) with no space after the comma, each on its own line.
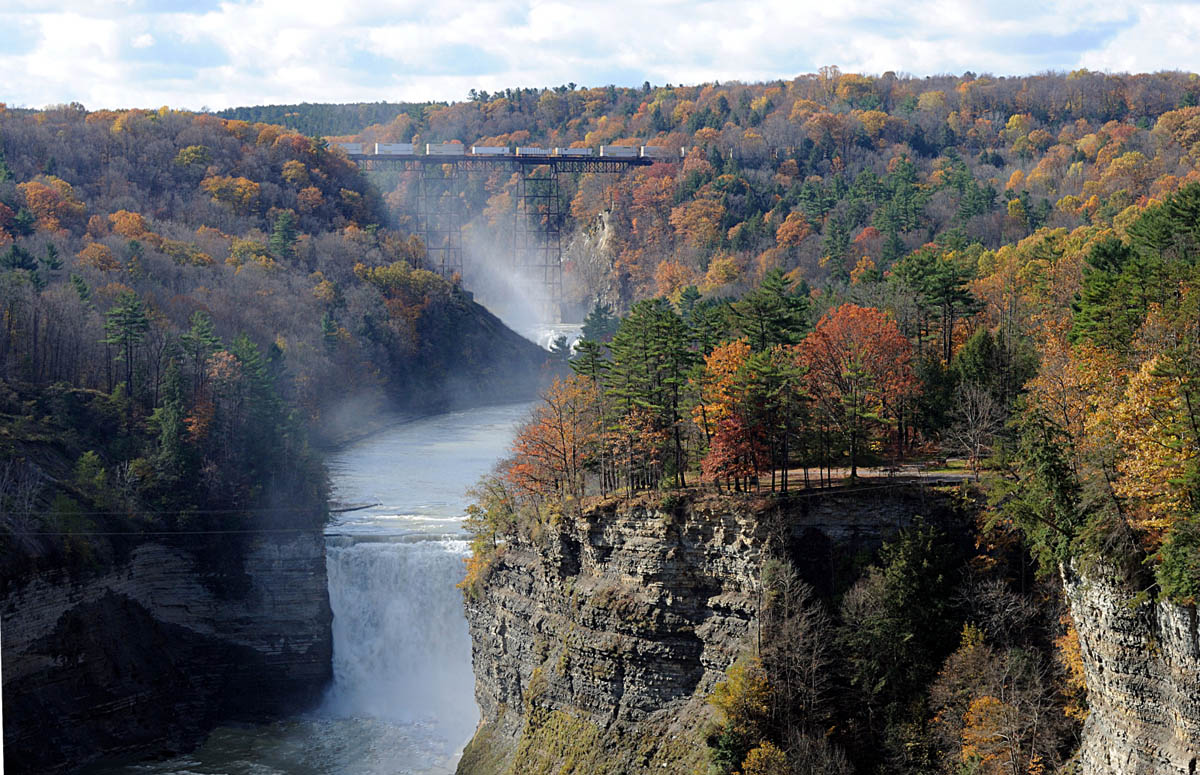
(1142,663)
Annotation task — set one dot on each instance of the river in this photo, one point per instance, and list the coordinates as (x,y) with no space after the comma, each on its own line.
(402,698)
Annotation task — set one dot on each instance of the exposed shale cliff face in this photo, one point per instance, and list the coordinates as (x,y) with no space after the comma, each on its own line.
(598,642)
(147,656)
(1142,664)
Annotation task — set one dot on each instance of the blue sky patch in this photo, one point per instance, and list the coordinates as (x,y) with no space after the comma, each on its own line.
(21,36)
(170,50)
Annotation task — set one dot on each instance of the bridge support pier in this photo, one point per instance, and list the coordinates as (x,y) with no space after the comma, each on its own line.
(537,236)
(537,239)
(439,218)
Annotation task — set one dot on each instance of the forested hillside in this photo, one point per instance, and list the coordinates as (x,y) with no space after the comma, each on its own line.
(831,173)
(324,119)
(184,300)
(848,271)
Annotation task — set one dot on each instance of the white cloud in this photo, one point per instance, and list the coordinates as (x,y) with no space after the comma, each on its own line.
(117,53)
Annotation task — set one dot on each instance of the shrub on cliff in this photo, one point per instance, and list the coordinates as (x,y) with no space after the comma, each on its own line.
(743,701)
(491,521)
(1179,567)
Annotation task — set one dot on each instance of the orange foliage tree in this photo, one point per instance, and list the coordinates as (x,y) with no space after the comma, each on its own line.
(54,203)
(552,450)
(99,257)
(240,193)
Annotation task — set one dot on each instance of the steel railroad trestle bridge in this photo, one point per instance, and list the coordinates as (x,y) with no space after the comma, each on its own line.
(537,235)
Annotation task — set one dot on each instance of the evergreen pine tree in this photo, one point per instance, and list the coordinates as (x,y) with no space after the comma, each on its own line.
(82,290)
(329,332)
(125,327)
(169,420)
(600,324)
(198,343)
(283,236)
(771,314)
(52,261)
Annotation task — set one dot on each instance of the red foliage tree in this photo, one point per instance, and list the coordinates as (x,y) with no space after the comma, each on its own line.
(859,373)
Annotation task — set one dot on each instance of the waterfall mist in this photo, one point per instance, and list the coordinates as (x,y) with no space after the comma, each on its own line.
(509,292)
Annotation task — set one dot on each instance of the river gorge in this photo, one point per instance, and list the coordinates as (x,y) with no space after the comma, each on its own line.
(401,699)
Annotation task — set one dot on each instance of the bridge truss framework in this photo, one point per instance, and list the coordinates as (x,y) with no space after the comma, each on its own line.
(538,212)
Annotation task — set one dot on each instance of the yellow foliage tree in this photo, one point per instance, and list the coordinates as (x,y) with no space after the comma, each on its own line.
(244,251)
(239,193)
(931,101)
(295,172)
(852,86)
(99,257)
(722,270)
(717,383)
(766,759)
(873,122)
(744,698)
(1070,657)
(1155,447)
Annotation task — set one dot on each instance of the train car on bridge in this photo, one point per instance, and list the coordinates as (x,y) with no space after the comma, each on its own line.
(351,148)
(395,149)
(491,150)
(445,149)
(572,151)
(619,151)
(532,150)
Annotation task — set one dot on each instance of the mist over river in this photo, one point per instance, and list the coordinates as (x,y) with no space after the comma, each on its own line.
(402,699)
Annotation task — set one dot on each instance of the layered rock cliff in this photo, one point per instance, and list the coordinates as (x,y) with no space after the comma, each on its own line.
(148,655)
(596,643)
(1142,664)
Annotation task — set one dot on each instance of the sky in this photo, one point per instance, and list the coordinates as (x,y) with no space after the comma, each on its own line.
(213,54)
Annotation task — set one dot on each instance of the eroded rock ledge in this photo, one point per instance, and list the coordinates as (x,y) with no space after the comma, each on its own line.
(597,642)
(146,657)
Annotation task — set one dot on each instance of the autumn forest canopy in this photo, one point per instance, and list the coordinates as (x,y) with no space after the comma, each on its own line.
(842,274)
(187,302)
(851,269)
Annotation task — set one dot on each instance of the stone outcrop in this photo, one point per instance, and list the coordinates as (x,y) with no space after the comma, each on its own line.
(148,655)
(591,253)
(598,641)
(1142,664)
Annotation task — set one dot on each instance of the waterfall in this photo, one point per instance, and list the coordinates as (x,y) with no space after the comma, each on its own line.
(545,333)
(401,652)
